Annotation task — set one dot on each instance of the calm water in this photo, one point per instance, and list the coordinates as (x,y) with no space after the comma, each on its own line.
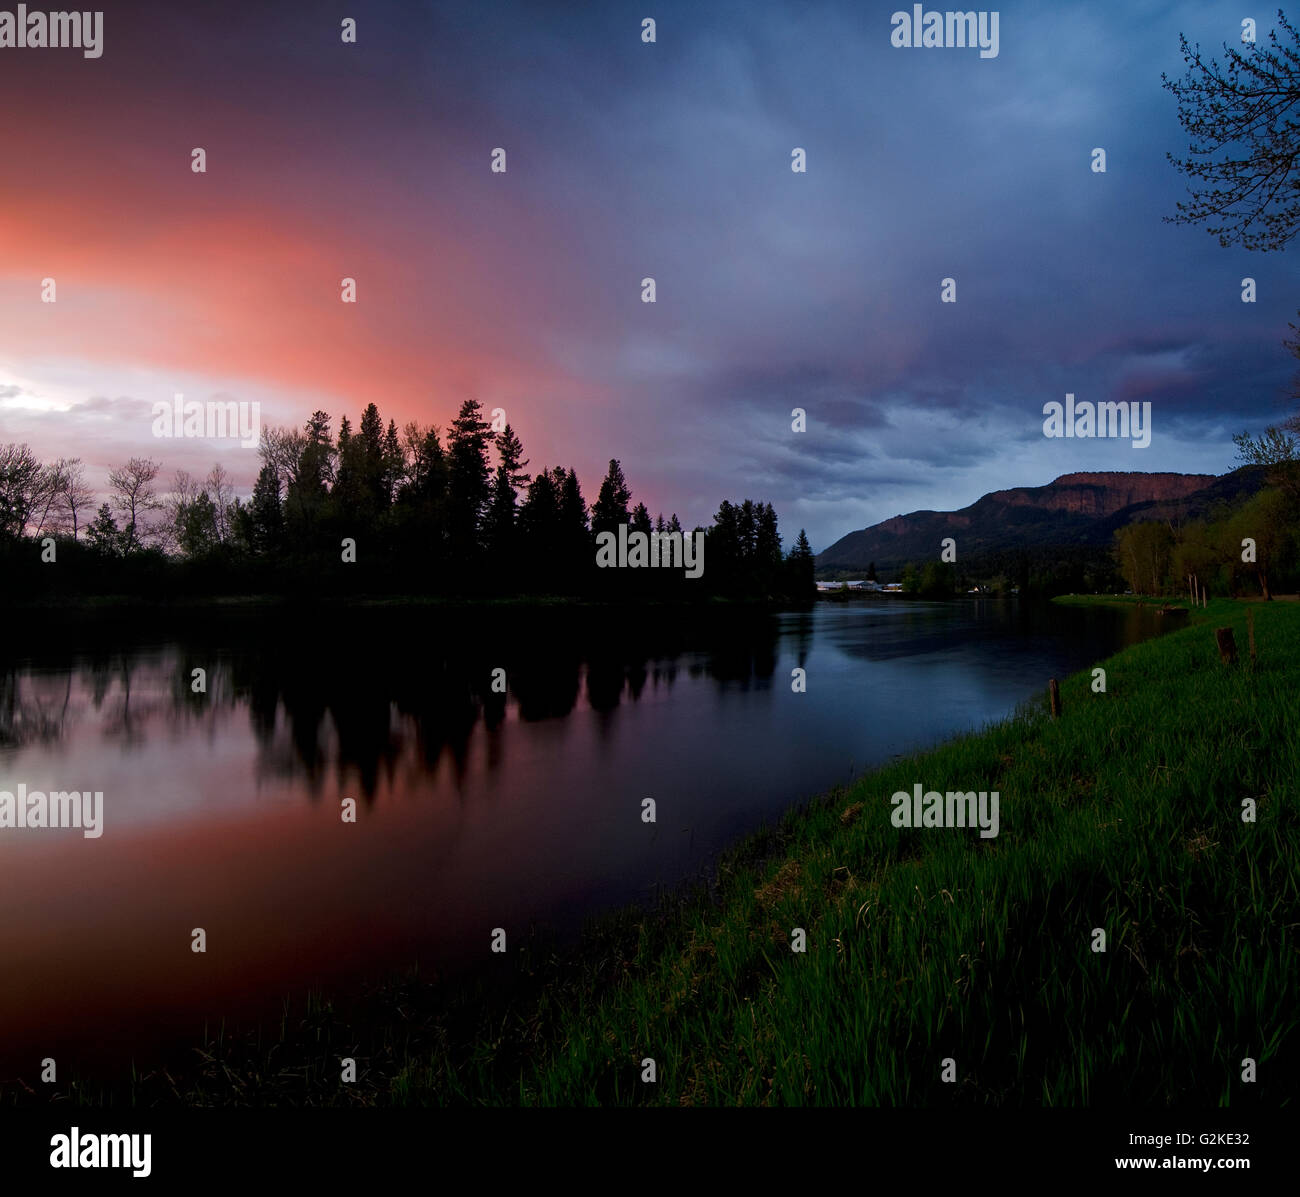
(475,810)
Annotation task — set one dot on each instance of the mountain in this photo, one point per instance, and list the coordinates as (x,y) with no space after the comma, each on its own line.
(1073,511)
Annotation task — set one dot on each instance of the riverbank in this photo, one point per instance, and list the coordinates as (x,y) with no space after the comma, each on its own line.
(1181,604)
(923,945)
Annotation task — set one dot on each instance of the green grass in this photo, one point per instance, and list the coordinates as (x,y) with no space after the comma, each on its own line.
(1124,815)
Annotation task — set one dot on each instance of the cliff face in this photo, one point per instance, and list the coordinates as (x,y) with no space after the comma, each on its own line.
(1075,509)
(1102,494)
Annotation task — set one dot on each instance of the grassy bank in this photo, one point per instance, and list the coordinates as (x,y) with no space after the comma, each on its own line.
(922,945)
(1118,600)
(1182,603)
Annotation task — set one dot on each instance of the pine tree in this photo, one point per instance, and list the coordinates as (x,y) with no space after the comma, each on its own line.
(503,504)
(575,549)
(767,539)
(510,454)
(265,519)
(394,464)
(540,534)
(801,566)
(421,507)
(573,507)
(318,454)
(610,508)
(746,531)
(370,435)
(469,479)
(348,498)
(102,533)
(724,553)
(309,473)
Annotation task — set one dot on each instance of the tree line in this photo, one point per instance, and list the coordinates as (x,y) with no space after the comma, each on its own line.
(1253,548)
(427,513)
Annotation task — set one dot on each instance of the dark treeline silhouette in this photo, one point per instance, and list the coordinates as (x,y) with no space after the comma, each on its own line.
(371,510)
(1036,570)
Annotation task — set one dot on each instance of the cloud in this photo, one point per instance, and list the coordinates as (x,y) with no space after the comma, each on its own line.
(625,161)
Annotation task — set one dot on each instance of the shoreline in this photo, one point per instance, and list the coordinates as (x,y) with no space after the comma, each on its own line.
(948,935)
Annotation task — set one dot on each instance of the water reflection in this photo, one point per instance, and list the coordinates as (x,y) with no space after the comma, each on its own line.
(477,808)
(318,707)
(313,711)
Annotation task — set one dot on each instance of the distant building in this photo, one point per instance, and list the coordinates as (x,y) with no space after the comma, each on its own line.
(852,584)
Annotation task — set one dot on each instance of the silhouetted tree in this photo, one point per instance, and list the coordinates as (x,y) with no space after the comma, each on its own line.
(610,508)
(576,548)
(746,531)
(197,526)
(102,533)
(305,464)
(77,495)
(768,558)
(22,482)
(370,436)
(468,490)
(262,523)
(540,534)
(800,565)
(1241,122)
(394,466)
(134,497)
(504,498)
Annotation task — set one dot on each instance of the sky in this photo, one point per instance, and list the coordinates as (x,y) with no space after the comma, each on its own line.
(775,290)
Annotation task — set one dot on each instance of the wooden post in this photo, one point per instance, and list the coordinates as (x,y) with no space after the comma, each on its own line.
(1250,631)
(1227,645)
(1054,697)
